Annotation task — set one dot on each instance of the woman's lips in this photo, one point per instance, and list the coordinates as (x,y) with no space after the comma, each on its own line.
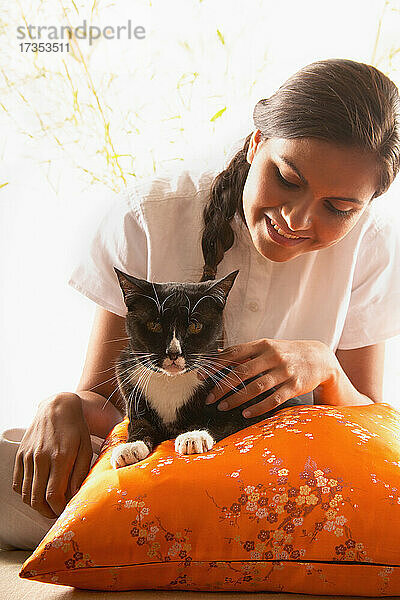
(277,237)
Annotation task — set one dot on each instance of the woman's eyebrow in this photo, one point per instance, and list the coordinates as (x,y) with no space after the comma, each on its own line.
(286,160)
(293,166)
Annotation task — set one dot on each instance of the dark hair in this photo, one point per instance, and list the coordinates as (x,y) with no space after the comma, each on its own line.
(337,100)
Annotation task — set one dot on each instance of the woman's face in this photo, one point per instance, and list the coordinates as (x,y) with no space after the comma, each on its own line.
(309,188)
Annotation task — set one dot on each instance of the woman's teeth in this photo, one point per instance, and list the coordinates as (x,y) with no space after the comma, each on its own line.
(279,230)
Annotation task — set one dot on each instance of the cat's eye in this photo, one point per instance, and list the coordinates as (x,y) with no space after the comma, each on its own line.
(195,327)
(154,326)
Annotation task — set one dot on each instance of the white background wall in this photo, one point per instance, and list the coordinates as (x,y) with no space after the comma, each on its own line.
(159,97)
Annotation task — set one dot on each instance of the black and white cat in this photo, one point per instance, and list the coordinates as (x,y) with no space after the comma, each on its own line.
(174,331)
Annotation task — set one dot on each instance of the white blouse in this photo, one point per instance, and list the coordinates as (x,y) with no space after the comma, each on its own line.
(346,295)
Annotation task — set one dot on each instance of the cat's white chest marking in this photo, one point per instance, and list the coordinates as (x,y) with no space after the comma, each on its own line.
(166,394)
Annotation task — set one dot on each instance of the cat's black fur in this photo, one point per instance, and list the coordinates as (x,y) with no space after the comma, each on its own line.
(174,306)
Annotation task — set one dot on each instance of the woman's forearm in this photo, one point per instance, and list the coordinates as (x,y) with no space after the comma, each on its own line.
(100,421)
(338,389)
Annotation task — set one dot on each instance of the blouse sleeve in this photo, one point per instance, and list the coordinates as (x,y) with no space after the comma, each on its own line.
(118,241)
(374,310)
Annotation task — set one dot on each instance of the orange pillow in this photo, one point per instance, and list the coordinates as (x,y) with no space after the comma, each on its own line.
(305,501)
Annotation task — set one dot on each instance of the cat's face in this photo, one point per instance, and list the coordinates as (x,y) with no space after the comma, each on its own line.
(172,326)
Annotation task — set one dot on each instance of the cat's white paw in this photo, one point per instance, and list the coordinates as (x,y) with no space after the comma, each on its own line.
(128,454)
(194,442)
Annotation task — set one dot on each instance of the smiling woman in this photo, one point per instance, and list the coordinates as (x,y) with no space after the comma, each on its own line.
(325,145)
(318,287)
(309,190)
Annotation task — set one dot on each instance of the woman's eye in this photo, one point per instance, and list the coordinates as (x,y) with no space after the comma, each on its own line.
(284,181)
(340,213)
(154,326)
(195,327)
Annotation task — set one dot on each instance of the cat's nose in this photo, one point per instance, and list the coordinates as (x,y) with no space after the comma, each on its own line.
(173,355)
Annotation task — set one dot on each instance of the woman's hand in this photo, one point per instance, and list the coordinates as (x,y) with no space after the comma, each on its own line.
(293,367)
(54,455)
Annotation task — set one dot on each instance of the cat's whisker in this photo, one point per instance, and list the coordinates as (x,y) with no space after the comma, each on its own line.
(226,377)
(224,363)
(220,296)
(147,384)
(216,382)
(105,370)
(211,375)
(122,380)
(134,354)
(212,356)
(102,382)
(136,394)
(127,369)
(164,301)
(118,387)
(121,361)
(158,300)
(145,372)
(136,397)
(221,364)
(116,340)
(213,362)
(129,401)
(149,297)
(132,362)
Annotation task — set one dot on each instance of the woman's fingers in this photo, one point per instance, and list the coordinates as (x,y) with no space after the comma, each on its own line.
(39,484)
(81,466)
(31,479)
(57,484)
(261,384)
(48,452)
(18,473)
(279,396)
(230,358)
(236,382)
(243,351)
(27,478)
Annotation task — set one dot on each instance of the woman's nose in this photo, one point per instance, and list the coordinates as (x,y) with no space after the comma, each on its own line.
(298,217)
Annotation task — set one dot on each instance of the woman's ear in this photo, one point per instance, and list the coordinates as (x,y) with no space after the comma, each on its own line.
(253,145)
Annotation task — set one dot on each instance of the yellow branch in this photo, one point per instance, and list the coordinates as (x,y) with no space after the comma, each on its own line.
(378,33)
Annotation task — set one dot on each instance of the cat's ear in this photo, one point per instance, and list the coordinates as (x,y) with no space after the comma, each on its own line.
(131,285)
(221,288)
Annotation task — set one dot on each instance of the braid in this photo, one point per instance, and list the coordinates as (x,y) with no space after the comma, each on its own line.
(225,200)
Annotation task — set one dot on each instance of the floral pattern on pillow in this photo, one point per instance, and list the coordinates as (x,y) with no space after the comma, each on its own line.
(289,504)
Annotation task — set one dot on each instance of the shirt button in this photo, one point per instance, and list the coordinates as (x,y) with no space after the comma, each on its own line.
(253,306)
